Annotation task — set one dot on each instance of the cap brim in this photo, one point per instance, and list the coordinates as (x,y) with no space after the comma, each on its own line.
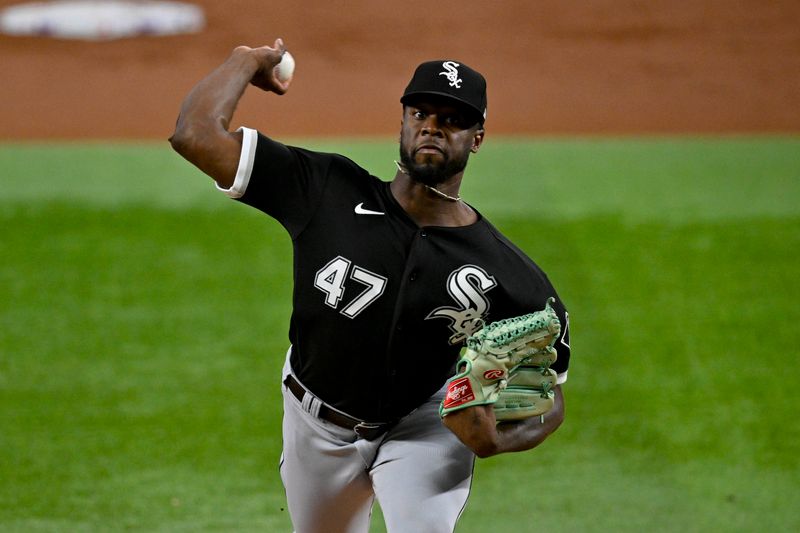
(478,112)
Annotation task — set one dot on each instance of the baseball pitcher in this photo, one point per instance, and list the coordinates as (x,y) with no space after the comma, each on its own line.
(420,336)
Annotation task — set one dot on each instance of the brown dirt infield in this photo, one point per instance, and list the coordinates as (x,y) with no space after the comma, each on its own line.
(554,67)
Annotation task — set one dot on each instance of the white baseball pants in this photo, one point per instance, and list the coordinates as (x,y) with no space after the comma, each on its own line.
(419,472)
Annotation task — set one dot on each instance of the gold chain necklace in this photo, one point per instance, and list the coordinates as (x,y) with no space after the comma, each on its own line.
(434,190)
(444,195)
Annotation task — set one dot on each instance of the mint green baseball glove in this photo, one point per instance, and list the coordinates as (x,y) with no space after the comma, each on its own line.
(506,363)
(529,393)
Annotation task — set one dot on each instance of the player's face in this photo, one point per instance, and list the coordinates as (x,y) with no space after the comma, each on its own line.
(436,139)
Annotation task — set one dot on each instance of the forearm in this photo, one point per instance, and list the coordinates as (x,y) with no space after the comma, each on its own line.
(477,428)
(201,132)
(211,103)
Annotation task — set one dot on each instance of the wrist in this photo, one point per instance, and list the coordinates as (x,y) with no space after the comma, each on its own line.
(245,59)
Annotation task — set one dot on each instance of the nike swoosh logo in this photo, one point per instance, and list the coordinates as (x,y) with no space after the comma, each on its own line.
(361,211)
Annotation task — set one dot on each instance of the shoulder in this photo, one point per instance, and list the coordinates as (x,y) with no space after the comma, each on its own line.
(265,156)
(514,263)
(346,166)
(504,243)
(336,161)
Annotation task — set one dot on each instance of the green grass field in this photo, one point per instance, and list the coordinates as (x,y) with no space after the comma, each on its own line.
(143,322)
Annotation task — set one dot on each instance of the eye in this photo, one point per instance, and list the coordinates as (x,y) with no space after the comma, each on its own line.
(455,120)
(418,114)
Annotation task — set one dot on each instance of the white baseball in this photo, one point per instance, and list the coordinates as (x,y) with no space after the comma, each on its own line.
(285,69)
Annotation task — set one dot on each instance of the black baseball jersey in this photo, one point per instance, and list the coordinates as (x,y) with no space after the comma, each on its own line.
(382,307)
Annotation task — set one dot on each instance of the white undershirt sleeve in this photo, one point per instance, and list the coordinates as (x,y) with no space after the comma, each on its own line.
(246,158)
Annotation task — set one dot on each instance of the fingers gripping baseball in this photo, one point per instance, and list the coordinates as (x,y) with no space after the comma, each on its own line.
(275,67)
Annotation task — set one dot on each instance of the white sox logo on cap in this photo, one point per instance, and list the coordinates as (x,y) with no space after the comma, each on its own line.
(451,71)
(450,79)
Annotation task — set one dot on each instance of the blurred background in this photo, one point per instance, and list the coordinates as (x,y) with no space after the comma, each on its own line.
(555,67)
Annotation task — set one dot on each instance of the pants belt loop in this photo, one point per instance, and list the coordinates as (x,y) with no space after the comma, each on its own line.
(311,404)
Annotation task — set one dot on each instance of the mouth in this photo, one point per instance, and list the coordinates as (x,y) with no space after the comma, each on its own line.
(428,149)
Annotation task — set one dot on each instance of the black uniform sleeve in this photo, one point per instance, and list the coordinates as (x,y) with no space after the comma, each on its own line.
(284,182)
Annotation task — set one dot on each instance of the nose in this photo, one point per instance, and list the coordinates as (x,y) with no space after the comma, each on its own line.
(431,126)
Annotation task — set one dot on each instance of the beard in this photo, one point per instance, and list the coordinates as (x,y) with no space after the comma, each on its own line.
(432,172)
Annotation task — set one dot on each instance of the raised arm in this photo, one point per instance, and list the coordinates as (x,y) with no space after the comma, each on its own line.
(201,132)
(477,428)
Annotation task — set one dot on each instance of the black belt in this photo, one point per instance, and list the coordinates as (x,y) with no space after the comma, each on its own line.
(365,430)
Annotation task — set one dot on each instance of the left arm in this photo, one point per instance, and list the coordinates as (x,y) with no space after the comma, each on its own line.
(477,428)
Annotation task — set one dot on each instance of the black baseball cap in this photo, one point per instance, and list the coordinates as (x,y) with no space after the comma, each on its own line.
(453,79)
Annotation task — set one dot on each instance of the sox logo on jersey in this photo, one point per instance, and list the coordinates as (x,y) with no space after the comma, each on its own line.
(467,285)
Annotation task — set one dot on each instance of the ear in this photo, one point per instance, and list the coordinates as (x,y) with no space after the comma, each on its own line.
(402,123)
(477,141)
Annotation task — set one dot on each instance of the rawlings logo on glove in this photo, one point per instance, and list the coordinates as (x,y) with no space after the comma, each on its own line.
(507,364)
(458,393)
